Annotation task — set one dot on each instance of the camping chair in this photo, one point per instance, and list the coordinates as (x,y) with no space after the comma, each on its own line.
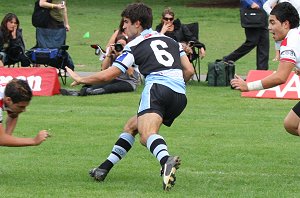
(50,50)
(195,59)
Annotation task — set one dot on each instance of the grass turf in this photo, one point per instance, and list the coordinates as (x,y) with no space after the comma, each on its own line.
(230,146)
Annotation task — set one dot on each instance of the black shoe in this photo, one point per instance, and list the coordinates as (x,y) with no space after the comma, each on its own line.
(83,91)
(168,172)
(66,92)
(98,174)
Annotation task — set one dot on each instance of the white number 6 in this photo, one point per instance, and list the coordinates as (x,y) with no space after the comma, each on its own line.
(162,56)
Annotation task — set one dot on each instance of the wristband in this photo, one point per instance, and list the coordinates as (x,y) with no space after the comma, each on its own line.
(255,85)
(52,6)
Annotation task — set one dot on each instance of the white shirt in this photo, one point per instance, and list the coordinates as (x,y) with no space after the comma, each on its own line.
(290,47)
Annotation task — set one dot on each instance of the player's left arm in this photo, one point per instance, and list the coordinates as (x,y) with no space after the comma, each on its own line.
(187,68)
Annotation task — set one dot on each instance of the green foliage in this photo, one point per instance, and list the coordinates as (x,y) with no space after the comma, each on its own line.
(230,146)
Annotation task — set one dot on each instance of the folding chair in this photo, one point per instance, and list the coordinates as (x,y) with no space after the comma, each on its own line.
(50,50)
(195,59)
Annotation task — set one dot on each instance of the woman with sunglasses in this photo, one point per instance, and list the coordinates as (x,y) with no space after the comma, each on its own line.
(173,28)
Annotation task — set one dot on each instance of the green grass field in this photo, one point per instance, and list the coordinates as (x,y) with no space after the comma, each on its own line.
(230,146)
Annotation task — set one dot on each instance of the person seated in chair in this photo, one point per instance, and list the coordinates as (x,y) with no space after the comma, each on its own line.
(12,45)
(126,82)
(173,28)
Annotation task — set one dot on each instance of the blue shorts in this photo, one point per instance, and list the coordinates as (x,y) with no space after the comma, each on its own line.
(160,99)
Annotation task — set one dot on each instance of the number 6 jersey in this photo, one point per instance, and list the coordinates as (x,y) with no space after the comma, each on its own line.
(157,57)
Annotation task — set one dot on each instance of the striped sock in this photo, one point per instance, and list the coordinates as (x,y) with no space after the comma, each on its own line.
(120,149)
(158,147)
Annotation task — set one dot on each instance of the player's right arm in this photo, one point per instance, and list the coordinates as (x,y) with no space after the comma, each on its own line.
(9,140)
(277,78)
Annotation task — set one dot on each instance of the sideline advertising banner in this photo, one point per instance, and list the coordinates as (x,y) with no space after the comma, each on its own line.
(289,90)
(42,81)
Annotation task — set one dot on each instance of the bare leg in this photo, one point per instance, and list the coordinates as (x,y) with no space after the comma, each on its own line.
(292,123)
(148,127)
(148,124)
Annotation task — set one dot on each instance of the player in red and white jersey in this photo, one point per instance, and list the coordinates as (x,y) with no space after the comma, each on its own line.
(283,25)
(289,49)
(15,96)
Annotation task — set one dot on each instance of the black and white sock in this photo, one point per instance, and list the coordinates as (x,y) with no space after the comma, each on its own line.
(120,149)
(158,147)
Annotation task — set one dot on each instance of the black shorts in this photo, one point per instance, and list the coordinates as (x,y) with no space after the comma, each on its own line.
(296,109)
(164,101)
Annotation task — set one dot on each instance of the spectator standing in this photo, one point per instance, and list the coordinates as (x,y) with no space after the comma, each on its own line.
(55,34)
(255,37)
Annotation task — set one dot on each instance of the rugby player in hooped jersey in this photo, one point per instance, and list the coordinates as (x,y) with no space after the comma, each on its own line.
(166,69)
(283,25)
(14,98)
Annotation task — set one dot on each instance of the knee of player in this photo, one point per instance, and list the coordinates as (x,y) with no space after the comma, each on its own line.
(290,127)
(131,129)
(143,141)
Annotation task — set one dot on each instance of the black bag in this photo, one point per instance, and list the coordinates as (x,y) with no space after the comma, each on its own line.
(220,73)
(253,18)
(40,16)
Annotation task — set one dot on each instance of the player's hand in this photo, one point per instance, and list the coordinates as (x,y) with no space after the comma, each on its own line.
(41,136)
(238,83)
(74,76)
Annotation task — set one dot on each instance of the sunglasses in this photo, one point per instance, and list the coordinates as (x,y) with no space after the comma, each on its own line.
(168,19)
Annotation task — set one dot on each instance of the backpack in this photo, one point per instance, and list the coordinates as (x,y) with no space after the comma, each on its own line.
(220,73)
(40,16)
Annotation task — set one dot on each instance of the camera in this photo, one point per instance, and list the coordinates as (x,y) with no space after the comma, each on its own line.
(191,43)
(118,47)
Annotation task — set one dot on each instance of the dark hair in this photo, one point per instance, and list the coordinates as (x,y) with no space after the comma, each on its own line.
(121,26)
(139,12)
(286,12)
(169,11)
(3,28)
(18,90)
(121,37)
